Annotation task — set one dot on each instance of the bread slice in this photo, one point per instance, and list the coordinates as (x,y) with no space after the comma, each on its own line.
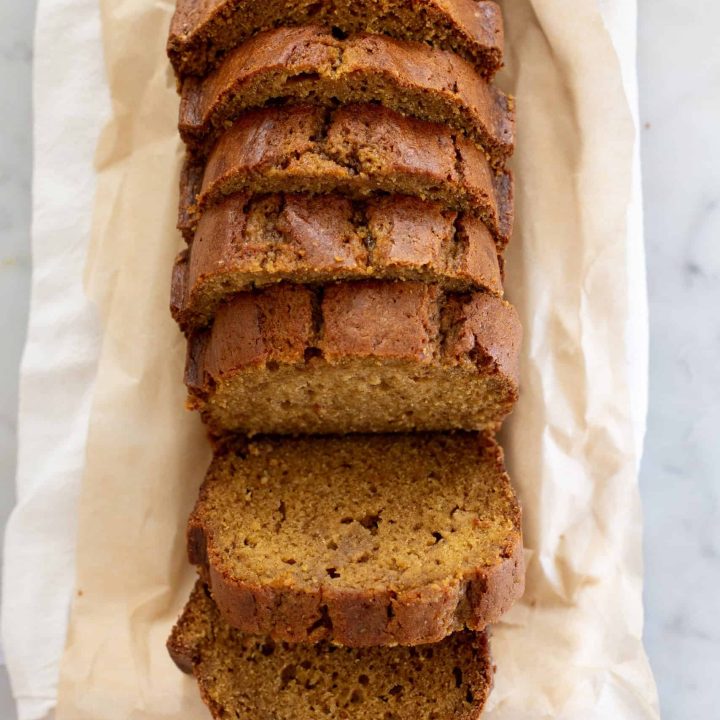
(358,151)
(309,64)
(361,540)
(355,357)
(202,31)
(247,242)
(246,677)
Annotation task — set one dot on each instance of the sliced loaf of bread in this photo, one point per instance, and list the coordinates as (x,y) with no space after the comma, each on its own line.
(309,64)
(355,357)
(356,150)
(248,242)
(246,677)
(361,540)
(203,31)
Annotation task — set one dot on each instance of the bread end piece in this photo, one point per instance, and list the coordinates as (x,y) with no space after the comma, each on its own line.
(254,678)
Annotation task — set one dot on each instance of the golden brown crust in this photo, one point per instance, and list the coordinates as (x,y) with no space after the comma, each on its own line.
(476,328)
(305,332)
(254,678)
(260,328)
(367,615)
(309,64)
(373,317)
(369,618)
(244,243)
(203,31)
(357,150)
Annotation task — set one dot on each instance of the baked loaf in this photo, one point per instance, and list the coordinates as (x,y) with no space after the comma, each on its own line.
(362,540)
(249,242)
(309,64)
(357,150)
(247,677)
(355,357)
(202,31)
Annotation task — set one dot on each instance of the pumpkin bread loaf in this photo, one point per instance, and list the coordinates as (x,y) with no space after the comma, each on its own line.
(309,64)
(346,207)
(203,31)
(361,540)
(355,357)
(356,150)
(246,677)
(249,242)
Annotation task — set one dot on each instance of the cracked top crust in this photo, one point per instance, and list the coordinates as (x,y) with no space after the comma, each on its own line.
(246,242)
(357,151)
(368,356)
(203,31)
(309,64)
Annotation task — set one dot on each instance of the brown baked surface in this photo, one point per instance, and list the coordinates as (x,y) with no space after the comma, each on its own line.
(246,677)
(361,540)
(310,65)
(248,242)
(355,357)
(203,31)
(356,150)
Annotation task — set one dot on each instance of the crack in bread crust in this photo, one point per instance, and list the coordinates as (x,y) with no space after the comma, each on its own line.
(310,65)
(201,34)
(359,151)
(242,244)
(392,357)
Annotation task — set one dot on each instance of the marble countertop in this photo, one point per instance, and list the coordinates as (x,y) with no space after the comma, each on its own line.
(680,481)
(16,27)
(680,112)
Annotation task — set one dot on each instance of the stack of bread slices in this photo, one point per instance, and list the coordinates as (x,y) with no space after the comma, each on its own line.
(346,206)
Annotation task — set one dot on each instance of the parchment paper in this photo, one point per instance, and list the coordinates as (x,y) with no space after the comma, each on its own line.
(572,649)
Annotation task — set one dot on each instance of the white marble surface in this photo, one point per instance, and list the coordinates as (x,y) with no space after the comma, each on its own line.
(680,109)
(16,25)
